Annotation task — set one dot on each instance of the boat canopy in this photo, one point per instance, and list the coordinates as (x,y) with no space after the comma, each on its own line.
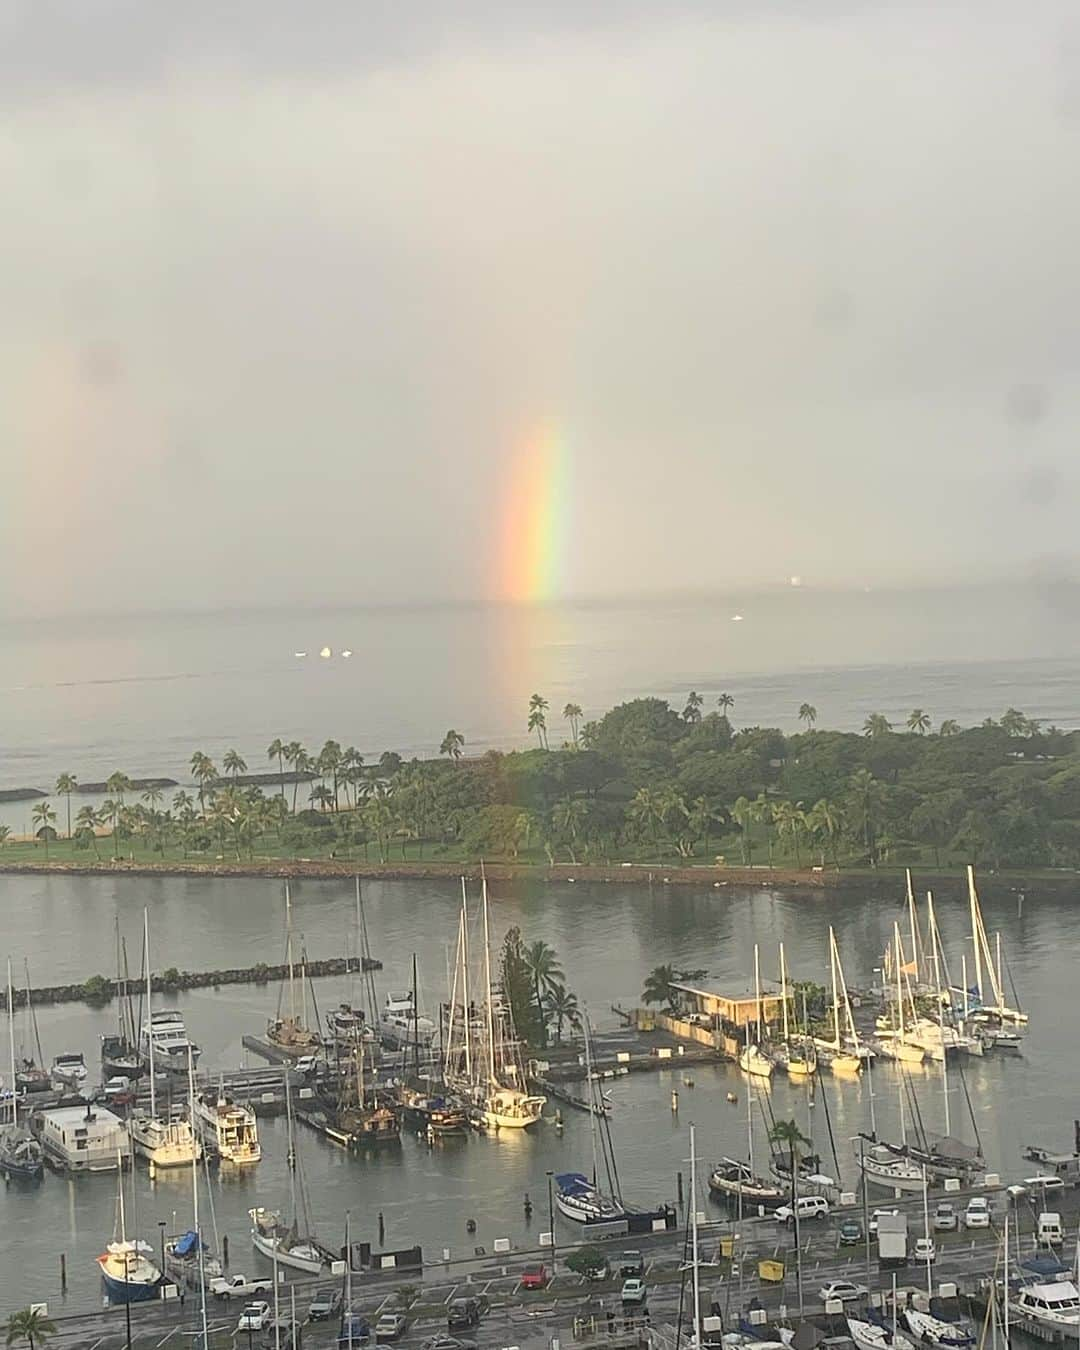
(187,1245)
(1044,1266)
(574,1183)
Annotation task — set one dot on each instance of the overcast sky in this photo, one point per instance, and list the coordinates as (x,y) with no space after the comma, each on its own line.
(285,287)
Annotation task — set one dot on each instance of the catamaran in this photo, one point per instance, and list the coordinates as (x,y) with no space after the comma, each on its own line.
(162,1141)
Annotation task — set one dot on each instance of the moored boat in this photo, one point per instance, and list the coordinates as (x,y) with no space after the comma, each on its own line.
(884,1167)
(69,1069)
(872,1336)
(732,1179)
(227,1130)
(579,1199)
(1054,1306)
(401,1025)
(127,1268)
(281,1242)
(935,1332)
(187,1264)
(21,1155)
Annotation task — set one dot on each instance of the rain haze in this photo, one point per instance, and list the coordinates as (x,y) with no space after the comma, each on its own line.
(291,292)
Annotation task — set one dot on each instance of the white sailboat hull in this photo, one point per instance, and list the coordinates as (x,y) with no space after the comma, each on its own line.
(754,1061)
(301,1257)
(511,1110)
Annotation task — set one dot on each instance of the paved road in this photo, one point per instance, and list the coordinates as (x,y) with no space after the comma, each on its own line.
(521,1318)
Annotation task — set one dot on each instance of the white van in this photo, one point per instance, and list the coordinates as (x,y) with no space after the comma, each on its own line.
(1048,1230)
(809,1207)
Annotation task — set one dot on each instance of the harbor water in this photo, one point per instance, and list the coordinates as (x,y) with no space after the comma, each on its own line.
(608,937)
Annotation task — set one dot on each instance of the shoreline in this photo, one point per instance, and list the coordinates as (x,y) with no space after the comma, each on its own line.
(792,880)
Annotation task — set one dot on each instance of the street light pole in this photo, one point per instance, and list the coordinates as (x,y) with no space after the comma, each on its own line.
(161,1226)
(551,1222)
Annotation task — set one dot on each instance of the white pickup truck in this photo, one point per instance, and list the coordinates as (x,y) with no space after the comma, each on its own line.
(239,1286)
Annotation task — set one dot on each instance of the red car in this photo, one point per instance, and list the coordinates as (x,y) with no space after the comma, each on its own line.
(534,1277)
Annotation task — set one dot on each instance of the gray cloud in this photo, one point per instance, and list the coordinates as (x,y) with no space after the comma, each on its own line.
(288,287)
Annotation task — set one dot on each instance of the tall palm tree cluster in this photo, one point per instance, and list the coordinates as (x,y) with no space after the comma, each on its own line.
(643,782)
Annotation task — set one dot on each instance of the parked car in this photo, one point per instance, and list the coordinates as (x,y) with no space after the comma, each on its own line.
(535,1276)
(945,1220)
(325,1304)
(354,1330)
(633,1290)
(977,1214)
(465,1312)
(390,1326)
(1041,1184)
(442,1341)
(631,1263)
(809,1207)
(842,1290)
(877,1215)
(850,1233)
(254,1317)
(925,1250)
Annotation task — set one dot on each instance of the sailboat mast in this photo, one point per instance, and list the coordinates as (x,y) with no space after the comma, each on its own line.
(835,990)
(465,980)
(749,1122)
(415,1019)
(899,987)
(289,954)
(591,1091)
(940,1005)
(783,991)
(487,982)
(757,991)
(694,1241)
(934,941)
(974,906)
(914,924)
(11,1047)
(149,1013)
(997,943)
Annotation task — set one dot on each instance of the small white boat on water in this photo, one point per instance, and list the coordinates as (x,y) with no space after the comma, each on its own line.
(578,1199)
(871,1336)
(70,1070)
(1054,1306)
(933,1331)
(166,1031)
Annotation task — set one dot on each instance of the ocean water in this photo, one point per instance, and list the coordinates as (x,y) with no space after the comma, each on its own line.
(94,694)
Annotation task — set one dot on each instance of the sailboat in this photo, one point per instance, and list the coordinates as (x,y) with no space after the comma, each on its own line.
(844,1054)
(287,1032)
(576,1196)
(187,1258)
(434,1114)
(752,1058)
(282,1242)
(796,1055)
(127,1267)
(162,1141)
(735,1179)
(500,1099)
(354,1116)
(893,1041)
(994,1012)
(21,1155)
(348,1021)
(119,1052)
(31,1074)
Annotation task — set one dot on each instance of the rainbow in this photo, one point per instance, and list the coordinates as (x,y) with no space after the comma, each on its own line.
(535,521)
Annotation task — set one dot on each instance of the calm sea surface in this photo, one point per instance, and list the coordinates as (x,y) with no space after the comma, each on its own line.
(608,937)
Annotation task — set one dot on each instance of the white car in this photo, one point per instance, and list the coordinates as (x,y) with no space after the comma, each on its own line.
(925,1251)
(877,1215)
(843,1291)
(945,1220)
(1044,1184)
(254,1317)
(977,1214)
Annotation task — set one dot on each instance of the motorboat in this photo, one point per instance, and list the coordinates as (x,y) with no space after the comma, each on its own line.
(1055,1306)
(278,1241)
(227,1130)
(579,1199)
(171,1045)
(164,1141)
(732,1179)
(400,1025)
(346,1024)
(69,1070)
(933,1331)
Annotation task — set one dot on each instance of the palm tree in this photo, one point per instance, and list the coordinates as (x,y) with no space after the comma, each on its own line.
(764,814)
(233,762)
(742,813)
(117,784)
(538,707)
(86,822)
(152,795)
(321,795)
(826,821)
(204,773)
(692,711)
(182,805)
(561,1005)
(30,1325)
(566,816)
(808,714)
(302,764)
(65,786)
(643,813)
(791,820)
(918,721)
(276,750)
(452,743)
(572,713)
(790,1138)
(950,727)
(877,724)
(546,972)
(701,820)
(864,794)
(724,702)
(1013,722)
(658,987)
(43,816)
(329,762)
